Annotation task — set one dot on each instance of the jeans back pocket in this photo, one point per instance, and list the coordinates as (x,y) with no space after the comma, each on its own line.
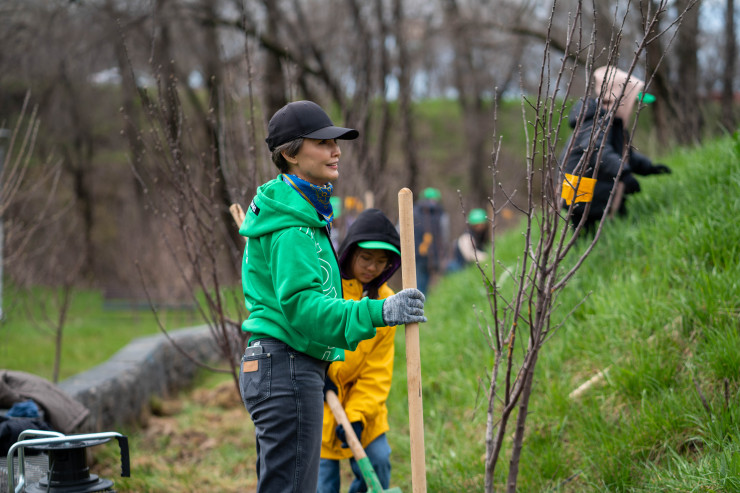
(254,379)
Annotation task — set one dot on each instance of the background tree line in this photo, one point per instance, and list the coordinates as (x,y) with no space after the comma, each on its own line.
(156,111)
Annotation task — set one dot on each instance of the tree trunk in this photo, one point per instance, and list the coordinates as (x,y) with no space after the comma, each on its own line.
(660,85)
(728,75)
(521,419)
(474,111)
(384,71)
(165,71)
(128,104)
(64,301)
(480,153)
(360,110)
(58,337)
(404,98)
(690,119)
(78,155)
(494,443)
(212,123)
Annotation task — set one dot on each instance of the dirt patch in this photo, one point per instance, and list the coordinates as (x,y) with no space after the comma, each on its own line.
(203,440)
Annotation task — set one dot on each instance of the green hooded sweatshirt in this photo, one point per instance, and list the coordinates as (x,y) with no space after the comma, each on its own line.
(291,281)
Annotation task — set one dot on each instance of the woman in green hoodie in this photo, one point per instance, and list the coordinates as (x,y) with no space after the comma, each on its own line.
(298,320)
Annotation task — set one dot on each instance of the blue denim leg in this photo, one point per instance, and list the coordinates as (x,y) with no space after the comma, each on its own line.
(379,453)
(422,274)
(329,480)
(283,395)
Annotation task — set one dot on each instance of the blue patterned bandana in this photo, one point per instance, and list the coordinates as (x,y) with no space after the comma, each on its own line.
(315,195)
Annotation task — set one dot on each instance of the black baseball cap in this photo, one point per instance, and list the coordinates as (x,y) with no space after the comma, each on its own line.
(303,119)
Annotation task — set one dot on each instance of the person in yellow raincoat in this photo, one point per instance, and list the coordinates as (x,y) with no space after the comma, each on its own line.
(368,256)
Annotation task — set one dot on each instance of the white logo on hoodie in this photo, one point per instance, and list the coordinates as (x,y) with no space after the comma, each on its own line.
(326,267)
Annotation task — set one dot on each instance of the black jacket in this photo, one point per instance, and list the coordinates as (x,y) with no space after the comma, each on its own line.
(611,144)
(370,225)
(430,233)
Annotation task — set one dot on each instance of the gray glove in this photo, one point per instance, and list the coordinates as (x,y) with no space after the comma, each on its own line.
(406,306)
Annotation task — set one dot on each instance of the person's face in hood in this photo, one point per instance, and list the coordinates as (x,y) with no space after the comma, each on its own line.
(368,264)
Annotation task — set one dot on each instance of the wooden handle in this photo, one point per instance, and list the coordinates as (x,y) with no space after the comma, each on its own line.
(237,213)
(336,408)
(369,199)
(413,354)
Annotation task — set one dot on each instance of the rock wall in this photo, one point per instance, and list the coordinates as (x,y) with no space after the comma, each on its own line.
(120,390)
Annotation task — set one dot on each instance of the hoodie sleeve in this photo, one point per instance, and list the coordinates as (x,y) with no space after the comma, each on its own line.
(308,297)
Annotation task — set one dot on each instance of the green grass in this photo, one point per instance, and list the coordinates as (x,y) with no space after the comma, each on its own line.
(660,309)
(92,334)
(200,443)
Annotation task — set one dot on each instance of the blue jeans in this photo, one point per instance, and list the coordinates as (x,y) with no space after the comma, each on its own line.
(422,274)
(378,451)
(282,390)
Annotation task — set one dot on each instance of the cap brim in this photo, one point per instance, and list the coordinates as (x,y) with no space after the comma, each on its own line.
(333,133)
(378,245)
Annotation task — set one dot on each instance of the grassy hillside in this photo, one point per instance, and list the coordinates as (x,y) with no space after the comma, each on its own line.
(661,315)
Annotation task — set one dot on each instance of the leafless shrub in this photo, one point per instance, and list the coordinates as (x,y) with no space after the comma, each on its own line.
(25,184)
(181,172)
(521,320)
(29,212)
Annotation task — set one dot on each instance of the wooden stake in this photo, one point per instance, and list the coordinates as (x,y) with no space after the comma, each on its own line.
(237,213)
(413,355)
(369,199)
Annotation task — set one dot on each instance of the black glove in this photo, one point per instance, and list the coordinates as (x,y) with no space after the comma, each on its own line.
(631,185)
(406,306)
(356,426)
(660,169)
(330,385)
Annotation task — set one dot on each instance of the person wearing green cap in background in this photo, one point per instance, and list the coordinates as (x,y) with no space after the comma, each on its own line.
(470,246)
(604,144)
(368,256)
(431,236)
